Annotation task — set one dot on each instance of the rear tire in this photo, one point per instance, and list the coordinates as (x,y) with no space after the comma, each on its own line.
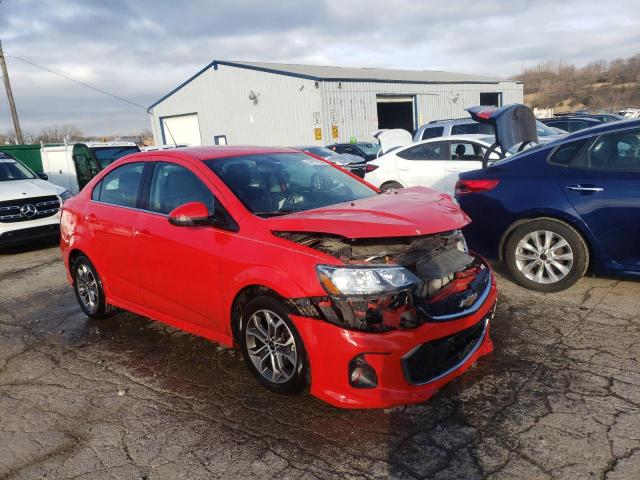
(87,286)
(390,185)
(546,255)
(272,347)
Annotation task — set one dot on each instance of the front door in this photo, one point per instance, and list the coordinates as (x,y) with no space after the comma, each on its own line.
(180,266)
(423,165)
(603,184)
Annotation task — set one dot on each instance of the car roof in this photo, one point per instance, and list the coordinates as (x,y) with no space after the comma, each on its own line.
(215,152)
(604,128)
(561,118)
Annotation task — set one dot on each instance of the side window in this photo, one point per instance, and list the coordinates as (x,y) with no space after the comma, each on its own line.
(432,132)
(173,185)
(614,152)
(564,154)
(561,124)
(465,151)
(426,151)
(465,129)
(120,186)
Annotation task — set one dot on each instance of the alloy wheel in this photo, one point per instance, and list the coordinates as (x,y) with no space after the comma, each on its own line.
(87,287)
(544,256)
(271,346)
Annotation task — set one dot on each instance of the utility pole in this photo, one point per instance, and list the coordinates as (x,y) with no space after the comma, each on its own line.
(12,105)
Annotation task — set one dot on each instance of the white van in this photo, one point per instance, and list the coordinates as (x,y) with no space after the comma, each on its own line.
(29,206)
(71,166)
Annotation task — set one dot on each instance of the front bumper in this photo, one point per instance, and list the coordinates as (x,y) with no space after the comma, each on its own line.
(331,348)
(24,235)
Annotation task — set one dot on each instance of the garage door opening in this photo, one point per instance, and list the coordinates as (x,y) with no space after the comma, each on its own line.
(491,99)
(181,130)
(396,112)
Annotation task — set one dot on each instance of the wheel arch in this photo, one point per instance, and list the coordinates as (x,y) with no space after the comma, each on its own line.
(242,297)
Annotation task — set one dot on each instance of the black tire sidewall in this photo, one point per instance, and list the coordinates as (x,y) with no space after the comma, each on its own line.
(575,240)
(101,309)
(299,381)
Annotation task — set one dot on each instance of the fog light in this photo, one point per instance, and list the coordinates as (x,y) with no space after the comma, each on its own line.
(361,374)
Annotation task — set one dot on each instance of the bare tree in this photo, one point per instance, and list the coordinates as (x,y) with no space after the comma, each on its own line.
(60,133)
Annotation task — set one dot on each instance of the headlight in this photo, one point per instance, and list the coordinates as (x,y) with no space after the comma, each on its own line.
(459,241)
(64,196)
(364,280)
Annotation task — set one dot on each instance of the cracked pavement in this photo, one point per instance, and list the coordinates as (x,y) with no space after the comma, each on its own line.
(128,398)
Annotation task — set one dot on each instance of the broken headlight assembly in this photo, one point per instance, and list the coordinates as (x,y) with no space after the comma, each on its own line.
(366,280)
(372,298)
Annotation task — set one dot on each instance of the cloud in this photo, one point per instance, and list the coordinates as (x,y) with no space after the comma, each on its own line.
(142,49)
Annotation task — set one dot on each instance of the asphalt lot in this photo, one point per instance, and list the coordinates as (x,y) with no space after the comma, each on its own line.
(129,398)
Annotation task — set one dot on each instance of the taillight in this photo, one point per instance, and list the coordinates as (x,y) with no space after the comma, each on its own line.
(370,167)
(472,186)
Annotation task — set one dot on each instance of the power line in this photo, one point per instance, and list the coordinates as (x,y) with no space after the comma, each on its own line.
(66,77)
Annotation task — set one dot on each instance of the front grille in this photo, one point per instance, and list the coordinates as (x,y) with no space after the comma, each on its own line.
(436,359)
(25,209)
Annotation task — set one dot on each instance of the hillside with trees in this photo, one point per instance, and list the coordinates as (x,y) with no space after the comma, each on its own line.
(598,86)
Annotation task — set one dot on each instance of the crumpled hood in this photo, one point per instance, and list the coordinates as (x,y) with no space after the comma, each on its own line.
(397,213)
(16,189)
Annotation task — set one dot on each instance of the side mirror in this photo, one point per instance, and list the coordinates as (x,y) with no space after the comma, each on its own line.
(43,176)
(190,214)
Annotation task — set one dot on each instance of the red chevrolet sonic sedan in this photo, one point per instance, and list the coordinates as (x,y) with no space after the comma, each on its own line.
(371,299)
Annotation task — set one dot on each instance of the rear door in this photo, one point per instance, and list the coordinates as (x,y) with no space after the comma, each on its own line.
(602,182)
(463,156)
(423,165)
(110,222)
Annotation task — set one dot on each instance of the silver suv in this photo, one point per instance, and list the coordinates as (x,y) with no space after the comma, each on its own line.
(468,126)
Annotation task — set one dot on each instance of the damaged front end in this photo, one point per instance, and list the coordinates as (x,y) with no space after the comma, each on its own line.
(394,283)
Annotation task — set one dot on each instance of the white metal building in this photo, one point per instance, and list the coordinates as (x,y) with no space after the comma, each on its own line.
(253,103)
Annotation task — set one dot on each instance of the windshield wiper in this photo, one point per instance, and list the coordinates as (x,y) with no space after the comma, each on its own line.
(277,213)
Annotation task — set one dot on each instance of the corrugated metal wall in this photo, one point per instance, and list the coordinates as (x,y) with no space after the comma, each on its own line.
(355,106)
(288,109)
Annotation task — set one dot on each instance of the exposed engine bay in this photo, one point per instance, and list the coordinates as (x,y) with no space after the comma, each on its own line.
(450,281)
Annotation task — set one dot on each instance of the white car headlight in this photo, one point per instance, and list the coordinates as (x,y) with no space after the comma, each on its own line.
(64,196)
(364,280)
(460,242)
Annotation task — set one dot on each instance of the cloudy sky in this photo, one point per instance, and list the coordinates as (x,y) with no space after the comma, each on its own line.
(141,49)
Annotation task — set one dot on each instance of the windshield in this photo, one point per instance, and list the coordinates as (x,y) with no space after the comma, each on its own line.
(544,130)
(11,169)
(319,151)
(270,184)
(107,155)
(368,148)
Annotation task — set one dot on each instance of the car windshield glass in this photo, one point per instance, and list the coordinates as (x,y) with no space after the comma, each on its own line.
(272,184)
(368,148)
(319,151)
(10,169)
(544,131)
(107,155)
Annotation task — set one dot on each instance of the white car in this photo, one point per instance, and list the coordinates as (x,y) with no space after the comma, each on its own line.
(434,163)
(29,205)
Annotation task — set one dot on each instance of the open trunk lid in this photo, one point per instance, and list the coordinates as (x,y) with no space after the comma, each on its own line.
(513,124)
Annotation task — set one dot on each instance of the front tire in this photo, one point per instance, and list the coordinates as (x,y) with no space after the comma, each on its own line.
(272,347)
(546,255)
(88,289)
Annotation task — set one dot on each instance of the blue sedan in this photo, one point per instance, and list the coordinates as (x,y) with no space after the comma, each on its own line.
(554,211)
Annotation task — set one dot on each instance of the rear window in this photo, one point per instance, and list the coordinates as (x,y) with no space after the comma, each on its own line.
(432,132)
(471,129)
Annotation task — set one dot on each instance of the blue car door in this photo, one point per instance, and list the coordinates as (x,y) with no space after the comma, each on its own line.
(602,182)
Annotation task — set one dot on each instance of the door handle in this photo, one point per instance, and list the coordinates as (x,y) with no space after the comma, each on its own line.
(584,188)
(143,233)
(90,217)
(404,169)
